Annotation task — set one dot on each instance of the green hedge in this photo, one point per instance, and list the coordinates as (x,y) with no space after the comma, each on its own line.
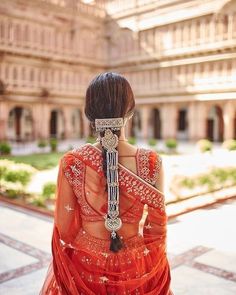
(49,190)
(132,140)
(53,142)
(16,172)
(216,178)
(204,145)
(42,143)
(14,177)
(152,142)
(230,144)
(91,139)
(5,148)
(171,143)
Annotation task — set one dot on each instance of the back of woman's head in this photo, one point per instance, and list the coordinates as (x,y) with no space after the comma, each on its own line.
(109,95)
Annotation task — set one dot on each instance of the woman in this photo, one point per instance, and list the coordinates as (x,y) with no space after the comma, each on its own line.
(98,245)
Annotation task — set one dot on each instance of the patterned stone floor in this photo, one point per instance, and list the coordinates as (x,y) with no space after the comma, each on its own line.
(201,247)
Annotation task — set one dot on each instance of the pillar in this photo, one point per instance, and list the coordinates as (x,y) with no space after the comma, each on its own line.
(201,120)
(230,27)
(3,120)
(212,29)
(41,119)
(145,114)
(86,126)
(67,114)
(169,121)
(228,117)
(192,121)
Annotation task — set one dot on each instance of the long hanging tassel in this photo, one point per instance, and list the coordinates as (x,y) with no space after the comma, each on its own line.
(116,243)
(112,221)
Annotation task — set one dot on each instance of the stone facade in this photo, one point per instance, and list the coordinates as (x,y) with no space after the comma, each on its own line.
(179,56)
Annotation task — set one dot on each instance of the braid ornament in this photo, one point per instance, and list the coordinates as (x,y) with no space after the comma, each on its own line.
(110,142)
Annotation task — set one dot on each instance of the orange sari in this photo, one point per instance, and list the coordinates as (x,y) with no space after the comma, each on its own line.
(82,263)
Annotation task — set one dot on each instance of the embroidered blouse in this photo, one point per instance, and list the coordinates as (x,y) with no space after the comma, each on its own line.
(76,162)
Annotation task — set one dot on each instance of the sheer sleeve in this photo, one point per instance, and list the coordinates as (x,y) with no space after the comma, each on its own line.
(155,225)
(67,217)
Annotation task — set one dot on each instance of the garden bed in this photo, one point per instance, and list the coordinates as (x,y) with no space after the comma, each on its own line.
(39,161)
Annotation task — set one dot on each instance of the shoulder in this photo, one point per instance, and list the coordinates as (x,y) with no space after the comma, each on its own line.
(71,155)
(151,156)
(149,164)
(71,160)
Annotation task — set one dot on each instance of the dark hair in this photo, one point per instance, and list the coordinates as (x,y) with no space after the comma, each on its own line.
(109,95)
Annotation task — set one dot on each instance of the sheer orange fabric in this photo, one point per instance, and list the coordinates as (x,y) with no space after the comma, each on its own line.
(82,262)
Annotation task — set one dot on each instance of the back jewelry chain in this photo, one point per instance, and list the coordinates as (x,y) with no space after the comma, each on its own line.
(110,142)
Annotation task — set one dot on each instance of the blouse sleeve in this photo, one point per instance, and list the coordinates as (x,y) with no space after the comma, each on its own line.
(67,217)
(154,225)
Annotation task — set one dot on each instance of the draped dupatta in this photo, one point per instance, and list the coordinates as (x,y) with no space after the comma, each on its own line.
(83,264)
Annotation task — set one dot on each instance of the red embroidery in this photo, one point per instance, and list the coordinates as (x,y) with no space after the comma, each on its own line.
(74,164)
(148,165)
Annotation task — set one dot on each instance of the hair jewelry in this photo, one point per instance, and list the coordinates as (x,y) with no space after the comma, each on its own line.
(109,142)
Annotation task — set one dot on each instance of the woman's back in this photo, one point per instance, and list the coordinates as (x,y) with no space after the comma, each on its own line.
(98,246)
(98,196)
(93,201)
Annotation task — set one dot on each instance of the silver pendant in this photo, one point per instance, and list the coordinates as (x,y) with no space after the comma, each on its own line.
(113,224)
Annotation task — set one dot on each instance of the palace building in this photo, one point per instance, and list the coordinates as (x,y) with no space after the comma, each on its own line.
(178,55)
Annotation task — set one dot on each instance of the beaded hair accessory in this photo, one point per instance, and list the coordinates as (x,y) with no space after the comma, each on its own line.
(109,142)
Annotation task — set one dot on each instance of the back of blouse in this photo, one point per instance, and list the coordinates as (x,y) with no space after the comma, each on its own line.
(84,201)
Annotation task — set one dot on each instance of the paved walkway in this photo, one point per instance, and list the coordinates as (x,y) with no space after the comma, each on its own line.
(201,249)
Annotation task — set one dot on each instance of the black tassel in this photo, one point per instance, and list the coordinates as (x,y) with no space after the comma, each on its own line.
(116,243)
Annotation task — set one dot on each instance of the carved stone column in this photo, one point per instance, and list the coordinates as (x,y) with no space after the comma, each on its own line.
(200,121)
(41,118)
(86,126)
(228,117)
(68,126)
(192,121)
(169,121)
(3,120)
(145,114)
(230,27)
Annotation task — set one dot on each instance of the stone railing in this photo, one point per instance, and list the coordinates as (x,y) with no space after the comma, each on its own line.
(79,6)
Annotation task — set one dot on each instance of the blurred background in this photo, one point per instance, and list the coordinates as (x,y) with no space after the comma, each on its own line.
(180,59)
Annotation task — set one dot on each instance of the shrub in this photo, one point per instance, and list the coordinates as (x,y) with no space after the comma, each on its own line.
(230,144)
(220,174)
(91,139)
(53,144)
(152,141)
(204,145)
(42,143)
(12,172)
(132,140)
(49,190)
(232,174)
(12,190)
(38,201)
(5,148)
(206,180)
(171,143)
(19,175)
(3,170)
(188,182)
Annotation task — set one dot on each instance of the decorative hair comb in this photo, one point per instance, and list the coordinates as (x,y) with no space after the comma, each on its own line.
(111,123)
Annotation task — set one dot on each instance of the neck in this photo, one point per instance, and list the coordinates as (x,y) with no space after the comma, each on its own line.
(122,134)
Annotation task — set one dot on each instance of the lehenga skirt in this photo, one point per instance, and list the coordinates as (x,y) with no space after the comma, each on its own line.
(136,269)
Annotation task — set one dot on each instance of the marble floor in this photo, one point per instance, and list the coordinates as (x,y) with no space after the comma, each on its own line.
(201,249)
